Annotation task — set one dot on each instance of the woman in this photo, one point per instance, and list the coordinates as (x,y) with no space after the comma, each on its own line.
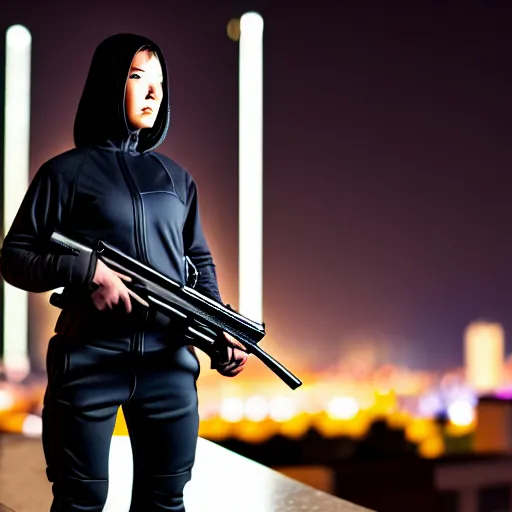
(110,350)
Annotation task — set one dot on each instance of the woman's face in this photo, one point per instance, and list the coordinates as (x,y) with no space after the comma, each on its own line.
(144,90)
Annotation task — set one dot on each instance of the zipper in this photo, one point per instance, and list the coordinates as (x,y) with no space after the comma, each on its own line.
(140,241)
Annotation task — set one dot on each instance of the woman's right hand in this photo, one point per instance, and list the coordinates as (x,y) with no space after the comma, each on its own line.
(112,289)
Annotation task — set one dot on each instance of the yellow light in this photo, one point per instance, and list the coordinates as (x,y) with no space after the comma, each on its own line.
(385,403)
(366,397)
(296,427)
(12,422)
(431,447)
(420,429)
(354,427)
(215,429)
(255,432)
(398,419)
(343,408)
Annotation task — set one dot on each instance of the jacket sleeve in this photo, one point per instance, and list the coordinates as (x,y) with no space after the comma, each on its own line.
(26,258)
(196,247)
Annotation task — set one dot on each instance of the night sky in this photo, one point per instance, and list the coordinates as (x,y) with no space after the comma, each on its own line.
(387,157)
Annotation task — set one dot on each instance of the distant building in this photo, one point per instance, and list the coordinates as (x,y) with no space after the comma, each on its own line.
(484,356)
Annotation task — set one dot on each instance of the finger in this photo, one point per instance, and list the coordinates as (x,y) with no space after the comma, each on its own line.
(127,302)
(232,372)
(240,362)
(122,276)
(239,355)
(113,298)
(243,360)
(140,300)
(237,371)
(233,366)
(229,354)
(225,373)
(226,353)
(234,342)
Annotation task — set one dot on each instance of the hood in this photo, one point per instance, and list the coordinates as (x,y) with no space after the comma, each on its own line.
(100,118)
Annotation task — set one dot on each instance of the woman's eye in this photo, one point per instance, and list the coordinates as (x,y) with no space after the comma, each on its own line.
(134,75)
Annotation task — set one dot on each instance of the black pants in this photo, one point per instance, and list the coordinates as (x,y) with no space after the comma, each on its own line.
(87,382)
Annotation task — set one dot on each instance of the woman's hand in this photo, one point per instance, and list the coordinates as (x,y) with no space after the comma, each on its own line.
(235,357)
(112,289)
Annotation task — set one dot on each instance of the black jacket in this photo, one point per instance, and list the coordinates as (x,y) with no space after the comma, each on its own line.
(113,186)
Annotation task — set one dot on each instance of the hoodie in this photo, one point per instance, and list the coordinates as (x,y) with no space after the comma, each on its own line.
(112,186)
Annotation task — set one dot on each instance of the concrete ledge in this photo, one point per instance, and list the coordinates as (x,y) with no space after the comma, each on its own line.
(236,483)
(222,481)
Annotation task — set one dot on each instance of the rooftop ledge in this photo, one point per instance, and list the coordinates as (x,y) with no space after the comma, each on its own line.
(219,477)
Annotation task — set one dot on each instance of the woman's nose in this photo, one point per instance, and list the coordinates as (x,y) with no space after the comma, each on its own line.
(151,93)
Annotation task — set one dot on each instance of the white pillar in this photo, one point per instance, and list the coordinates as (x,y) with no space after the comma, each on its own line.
(251,167)
(16,180)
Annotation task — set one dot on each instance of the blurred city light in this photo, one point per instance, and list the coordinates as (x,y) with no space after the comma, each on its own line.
(233,29)
(256,408)
(7,400)
(343,408)
(461,413)
(232,410)
(282,409)
(32,426)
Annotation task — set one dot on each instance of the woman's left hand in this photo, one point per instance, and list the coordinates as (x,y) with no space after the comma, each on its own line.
(235,357)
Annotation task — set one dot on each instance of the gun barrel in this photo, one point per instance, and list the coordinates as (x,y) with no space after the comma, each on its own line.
(283,373)
(250,346)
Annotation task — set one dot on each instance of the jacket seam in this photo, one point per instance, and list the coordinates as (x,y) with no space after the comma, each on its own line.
(75,183)
(157,157)
(161,192)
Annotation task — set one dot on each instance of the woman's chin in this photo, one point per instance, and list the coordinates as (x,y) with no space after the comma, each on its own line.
(140,124)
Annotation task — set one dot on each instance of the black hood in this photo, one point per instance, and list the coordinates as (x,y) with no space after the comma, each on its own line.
(100,118)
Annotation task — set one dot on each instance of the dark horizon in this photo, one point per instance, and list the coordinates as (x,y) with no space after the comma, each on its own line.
(386,152)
